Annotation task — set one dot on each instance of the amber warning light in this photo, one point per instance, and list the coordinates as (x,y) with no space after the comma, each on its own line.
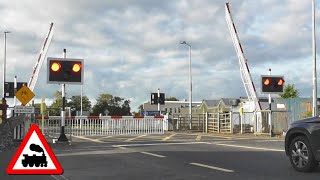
(76,67)
(266,82)
(55,66)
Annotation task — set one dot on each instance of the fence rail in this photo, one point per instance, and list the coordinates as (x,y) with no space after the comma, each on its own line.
(100,126)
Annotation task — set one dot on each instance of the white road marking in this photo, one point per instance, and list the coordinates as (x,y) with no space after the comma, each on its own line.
(131,139)
(159,144)
(213,167)
(198,138)
(64,177)
(54,177)
(270,140)
(168,137)
(100,152)
(152,154)
(209,135)
(106,137)
(250,147)
(219,142)
(89,139)
(120,147)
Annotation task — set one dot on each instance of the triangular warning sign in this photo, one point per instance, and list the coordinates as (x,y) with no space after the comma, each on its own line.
(34,156)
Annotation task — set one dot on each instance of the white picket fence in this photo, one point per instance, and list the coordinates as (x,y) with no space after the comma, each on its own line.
(104,125)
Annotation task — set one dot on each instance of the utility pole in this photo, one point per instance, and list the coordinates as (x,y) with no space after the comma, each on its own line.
(190,83)
(314,92)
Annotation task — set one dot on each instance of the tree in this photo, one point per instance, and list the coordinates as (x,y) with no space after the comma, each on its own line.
(38,106)
(111,105)
(172,99)
(102,103)
(55,108)
(75,104)
(290,92)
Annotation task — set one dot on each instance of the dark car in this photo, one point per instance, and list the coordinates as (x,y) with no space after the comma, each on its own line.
(302,144)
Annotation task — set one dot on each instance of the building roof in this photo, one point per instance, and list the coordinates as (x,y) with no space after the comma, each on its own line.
(211,103)
(227,101)
(182,102)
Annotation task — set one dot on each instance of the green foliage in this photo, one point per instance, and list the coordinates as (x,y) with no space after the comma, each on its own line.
(55,108)
(307,114)
(38,106)
(172,99)
(116,106)
(75,104)
(290,92)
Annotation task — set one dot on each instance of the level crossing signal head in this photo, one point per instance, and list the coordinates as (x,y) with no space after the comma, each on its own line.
(272,84)
(65,71)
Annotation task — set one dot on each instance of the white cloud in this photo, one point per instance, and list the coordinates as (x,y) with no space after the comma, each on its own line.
(132,48)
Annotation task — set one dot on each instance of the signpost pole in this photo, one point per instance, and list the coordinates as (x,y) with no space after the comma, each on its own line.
(270,122)
(15,90)
(159,101)
(42,114)
(63,137)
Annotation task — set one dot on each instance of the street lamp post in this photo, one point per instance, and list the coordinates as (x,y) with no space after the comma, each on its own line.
(314,79)
(4,63)
(190,83)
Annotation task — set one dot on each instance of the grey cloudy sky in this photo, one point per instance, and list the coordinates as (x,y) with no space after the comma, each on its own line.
(131,48)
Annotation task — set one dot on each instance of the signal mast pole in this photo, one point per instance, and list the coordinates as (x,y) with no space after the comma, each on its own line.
(63,137)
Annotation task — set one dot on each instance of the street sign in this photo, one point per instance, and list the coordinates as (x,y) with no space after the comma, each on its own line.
(34,156)
(24,95)
(24,109)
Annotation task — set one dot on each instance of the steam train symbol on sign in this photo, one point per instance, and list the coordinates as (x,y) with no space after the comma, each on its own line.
(37,161)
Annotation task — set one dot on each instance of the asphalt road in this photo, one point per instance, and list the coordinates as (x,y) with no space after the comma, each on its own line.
(170,156)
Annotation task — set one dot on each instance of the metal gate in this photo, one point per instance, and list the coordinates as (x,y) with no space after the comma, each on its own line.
(219,123)
(198,122)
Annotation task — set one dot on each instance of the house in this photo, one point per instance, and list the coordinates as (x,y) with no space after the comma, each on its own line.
(171,107)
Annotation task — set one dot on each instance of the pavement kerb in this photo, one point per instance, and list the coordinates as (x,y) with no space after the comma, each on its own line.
(246,135)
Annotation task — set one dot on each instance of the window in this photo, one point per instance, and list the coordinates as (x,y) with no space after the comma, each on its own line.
(170,110)
(178,110)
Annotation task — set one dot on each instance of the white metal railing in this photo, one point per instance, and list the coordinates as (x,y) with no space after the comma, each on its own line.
(105,125)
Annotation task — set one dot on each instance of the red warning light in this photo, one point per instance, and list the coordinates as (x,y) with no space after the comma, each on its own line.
(280,82)
(55,66)
(76,67)
(266,82)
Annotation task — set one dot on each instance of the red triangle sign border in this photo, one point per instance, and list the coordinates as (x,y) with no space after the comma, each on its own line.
(34,128)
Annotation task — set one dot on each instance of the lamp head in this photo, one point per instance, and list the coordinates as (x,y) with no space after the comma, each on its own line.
(183,42)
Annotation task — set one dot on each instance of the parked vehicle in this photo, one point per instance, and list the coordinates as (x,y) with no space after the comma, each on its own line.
(302,144)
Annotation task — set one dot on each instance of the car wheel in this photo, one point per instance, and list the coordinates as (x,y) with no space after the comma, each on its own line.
(301,156)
